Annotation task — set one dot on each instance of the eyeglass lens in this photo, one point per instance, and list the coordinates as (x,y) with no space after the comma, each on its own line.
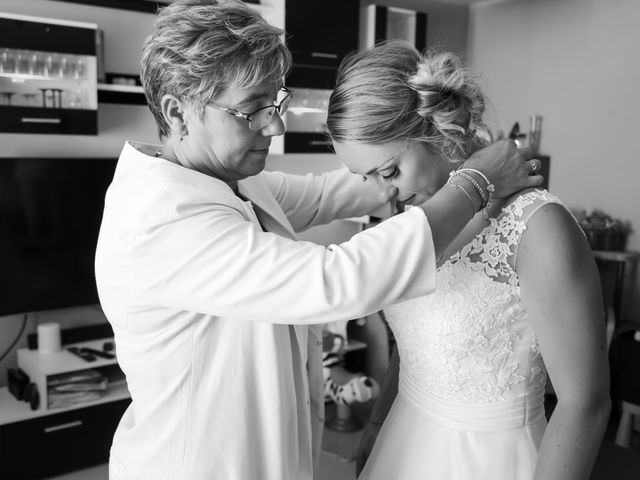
(263,117)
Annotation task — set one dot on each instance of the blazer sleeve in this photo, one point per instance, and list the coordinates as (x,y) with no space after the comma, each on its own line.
(209,258)
(310,200)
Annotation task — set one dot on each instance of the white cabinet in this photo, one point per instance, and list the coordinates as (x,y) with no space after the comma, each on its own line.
(46,442)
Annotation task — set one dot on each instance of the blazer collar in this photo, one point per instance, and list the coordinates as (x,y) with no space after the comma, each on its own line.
(265,205)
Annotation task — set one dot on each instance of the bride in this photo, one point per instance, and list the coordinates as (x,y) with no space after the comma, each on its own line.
(518,292)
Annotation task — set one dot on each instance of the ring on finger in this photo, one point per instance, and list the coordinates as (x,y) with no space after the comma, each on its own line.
(534,165)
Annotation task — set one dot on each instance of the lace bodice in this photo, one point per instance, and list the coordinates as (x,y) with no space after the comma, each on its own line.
(471,341)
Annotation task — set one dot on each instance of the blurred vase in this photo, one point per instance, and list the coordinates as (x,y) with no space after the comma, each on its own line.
(535,127)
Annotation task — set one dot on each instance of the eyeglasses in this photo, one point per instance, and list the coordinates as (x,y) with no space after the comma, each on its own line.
(264,115)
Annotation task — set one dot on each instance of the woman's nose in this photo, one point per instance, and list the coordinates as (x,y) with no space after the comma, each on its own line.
(387,193)
(275,127)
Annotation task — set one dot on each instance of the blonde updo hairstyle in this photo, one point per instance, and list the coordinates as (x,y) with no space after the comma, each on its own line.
(199,48)
(391,92)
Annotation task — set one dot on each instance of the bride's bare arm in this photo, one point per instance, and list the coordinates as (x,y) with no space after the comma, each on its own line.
(561,291)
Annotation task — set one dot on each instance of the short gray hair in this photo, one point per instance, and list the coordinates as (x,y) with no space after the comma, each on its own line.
(199,48)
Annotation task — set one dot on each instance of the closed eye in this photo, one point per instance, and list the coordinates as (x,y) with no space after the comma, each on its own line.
(389,174)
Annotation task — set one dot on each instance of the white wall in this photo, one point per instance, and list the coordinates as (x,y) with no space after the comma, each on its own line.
(575,62)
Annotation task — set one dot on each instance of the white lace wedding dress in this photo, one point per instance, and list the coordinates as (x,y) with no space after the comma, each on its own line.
(471,390)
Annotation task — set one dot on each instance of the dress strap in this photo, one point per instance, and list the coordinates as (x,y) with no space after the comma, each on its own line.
(525,207)
(494,249)
(534,201)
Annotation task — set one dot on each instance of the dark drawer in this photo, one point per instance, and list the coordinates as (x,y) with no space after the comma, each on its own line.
(51,37)
(59,443)
(302,142)
(312,76)
(48,120)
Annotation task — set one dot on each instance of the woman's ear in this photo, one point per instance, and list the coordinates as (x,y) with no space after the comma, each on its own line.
(173,112)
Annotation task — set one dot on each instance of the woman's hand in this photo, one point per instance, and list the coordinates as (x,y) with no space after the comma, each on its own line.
(505,167)
(449,210)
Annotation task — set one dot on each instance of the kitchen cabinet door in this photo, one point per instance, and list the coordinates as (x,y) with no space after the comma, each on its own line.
(319,35)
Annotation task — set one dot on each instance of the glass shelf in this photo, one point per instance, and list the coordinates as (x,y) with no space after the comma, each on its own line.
(48,75)
(33,78)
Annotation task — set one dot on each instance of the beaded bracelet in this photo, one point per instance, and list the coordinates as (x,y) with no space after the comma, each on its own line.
(476,185)
(479,173)
(490,187)
(464,190)
(481,191)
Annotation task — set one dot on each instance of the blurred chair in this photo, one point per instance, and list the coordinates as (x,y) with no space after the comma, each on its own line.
(629,416)
(615,269)
(625,380)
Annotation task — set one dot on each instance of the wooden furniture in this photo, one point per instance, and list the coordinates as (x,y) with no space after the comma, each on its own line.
(616,463)
(621,261)
(630,414)
(319,35)
(625,381)
(135,5)
(48,75)
(42,367)
(42,445)
(46,442)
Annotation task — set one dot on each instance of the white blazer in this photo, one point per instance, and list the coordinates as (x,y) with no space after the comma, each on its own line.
(202,288)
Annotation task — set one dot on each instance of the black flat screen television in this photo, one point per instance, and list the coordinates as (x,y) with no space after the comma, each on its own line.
(50,214)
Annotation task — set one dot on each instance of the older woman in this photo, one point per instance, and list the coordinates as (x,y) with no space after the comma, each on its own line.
(209,293)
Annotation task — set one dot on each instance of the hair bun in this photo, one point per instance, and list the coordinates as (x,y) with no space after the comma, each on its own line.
(447,95)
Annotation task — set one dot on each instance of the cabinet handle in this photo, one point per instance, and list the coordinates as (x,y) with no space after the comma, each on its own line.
(63,426)
(40,120)
(317,143)
(324,55)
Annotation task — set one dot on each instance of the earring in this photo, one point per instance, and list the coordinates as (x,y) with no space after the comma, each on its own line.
(183,132)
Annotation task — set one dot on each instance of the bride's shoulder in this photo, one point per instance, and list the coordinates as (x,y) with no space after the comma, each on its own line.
(550,225)
(540,218)
(525,203)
